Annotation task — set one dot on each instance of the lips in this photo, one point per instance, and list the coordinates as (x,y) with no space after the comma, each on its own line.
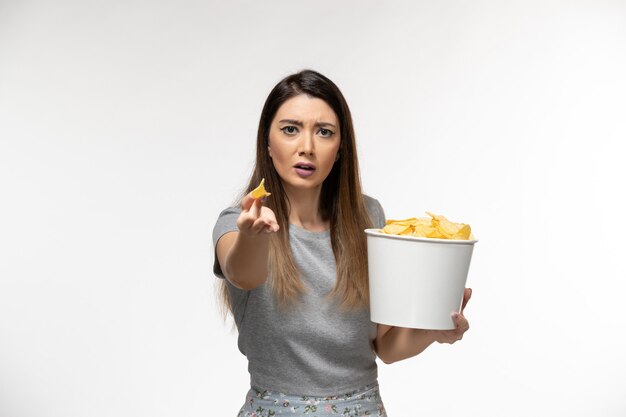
(304,169)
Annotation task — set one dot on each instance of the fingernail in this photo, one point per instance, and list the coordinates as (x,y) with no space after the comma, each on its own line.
(455,315)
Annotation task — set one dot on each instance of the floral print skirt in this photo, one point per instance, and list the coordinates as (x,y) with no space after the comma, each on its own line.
(365,401)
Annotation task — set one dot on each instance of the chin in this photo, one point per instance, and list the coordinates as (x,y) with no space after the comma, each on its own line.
(303,183)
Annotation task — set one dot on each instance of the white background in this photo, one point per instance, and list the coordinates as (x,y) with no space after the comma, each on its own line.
(126,126)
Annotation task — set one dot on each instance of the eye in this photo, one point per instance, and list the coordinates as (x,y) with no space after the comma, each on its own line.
(325,133)
(289,130)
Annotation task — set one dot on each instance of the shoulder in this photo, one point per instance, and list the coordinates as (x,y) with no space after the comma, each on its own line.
(375,210)
(226,222)
(233,210)
(228,214)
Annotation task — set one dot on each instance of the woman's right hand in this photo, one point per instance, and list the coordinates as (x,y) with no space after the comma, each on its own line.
(243,255)
(256,219)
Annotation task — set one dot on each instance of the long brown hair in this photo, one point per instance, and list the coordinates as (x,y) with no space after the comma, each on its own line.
(341,201)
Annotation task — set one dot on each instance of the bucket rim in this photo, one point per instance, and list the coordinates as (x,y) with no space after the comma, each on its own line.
(378,233)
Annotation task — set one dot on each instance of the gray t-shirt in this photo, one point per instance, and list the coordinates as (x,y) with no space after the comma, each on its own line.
(313,349)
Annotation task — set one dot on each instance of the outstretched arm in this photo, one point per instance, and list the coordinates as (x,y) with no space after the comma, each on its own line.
(243,255)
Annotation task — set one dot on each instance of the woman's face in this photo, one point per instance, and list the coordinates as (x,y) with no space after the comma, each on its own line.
(304,140)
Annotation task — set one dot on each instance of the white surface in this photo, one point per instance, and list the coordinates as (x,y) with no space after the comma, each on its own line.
(126,126)
(416,282)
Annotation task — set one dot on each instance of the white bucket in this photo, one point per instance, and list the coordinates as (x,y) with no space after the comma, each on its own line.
(416,282)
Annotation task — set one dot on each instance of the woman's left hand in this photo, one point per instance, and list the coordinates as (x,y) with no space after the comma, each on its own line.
(462,325)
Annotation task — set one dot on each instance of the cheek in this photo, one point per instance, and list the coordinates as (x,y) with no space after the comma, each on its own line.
(279,159)
(332,155)
(277,156)
(273,149)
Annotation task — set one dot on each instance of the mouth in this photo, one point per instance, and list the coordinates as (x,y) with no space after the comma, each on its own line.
(304,169)
(305,166)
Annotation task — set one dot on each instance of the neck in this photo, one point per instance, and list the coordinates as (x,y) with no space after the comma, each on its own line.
(305,211)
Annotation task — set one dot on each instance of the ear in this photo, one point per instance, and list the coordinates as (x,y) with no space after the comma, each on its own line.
(338,155)
(269,150)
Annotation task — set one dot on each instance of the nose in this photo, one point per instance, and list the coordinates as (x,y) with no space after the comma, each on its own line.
(306,145)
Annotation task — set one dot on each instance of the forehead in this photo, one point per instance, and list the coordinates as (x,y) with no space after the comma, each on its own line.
(306,108)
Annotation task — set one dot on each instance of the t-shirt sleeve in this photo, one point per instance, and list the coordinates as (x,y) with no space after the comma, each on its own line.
(226,222)
(376,211)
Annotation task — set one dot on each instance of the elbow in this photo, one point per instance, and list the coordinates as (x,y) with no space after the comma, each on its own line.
(386,360)
(239,285)
(242,284)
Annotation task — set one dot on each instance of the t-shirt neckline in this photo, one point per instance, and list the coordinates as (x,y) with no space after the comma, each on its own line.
(300,231)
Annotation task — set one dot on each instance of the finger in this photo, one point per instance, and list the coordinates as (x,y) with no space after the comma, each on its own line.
(247,202)
(255,209)
(245,222)
(447,336)
(260,225)
(272,227)
(467,294)
(461,323)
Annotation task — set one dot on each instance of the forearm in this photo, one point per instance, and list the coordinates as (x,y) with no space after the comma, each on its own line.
(246,262)
(401,343)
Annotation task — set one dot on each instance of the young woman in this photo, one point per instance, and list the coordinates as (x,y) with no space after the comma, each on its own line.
(294,266)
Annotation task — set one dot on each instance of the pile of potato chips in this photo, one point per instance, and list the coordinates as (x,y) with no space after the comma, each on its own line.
(434,227)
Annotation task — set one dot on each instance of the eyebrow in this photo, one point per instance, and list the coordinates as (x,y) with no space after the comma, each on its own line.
(299,123)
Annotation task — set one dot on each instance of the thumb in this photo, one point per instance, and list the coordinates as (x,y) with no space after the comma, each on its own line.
(247,202)
(467,294)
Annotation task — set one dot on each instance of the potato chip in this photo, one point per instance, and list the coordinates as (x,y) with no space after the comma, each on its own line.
(405,221)
(398,229)
(437,227)
(260,192)
(464,233)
